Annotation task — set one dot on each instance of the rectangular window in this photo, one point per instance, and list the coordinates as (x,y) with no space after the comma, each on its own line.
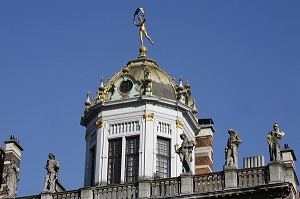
(132,159)
(163,158)
(114,161)
(93,164)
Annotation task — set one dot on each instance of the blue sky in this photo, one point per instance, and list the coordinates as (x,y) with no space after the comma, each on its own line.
(242,59)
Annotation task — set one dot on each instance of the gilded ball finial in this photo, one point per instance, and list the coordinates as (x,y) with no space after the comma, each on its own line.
(187,85)
(88,101)
(143,51)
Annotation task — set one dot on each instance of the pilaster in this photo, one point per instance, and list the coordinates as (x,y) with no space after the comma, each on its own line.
(148,136)
(99,152)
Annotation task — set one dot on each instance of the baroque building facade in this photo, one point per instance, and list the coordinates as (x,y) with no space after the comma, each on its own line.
(144,140)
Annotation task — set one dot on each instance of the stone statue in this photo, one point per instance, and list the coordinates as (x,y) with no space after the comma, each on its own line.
(12,179)
(185,153)
(142,20)
(231,150)
(52,168)
(273,140)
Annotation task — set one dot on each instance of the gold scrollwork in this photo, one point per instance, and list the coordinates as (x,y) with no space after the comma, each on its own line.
(179,123)
(149,116)
(100,123)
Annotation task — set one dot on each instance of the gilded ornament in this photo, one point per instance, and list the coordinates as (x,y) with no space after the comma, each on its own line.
(149,116)
(141,24)
(179,123)
(100,123)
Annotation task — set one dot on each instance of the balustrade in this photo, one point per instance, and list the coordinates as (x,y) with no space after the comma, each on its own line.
(251,177)
(121,191)
(164,187)
(208,182)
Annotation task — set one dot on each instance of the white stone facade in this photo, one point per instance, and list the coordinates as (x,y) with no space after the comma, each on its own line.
(148,117)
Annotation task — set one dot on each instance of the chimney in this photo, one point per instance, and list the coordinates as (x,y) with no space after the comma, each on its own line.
(12,157)
(204,147)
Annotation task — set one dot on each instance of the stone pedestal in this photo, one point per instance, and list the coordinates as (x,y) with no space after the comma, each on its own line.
(230,177)
(46,196)
(186,183)
(144,189)
(86,194)
(276,172)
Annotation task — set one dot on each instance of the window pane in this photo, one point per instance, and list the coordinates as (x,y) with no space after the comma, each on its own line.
(132,159)
(163,158)
(114,161)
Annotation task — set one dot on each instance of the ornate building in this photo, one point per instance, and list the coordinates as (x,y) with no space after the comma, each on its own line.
(144,140)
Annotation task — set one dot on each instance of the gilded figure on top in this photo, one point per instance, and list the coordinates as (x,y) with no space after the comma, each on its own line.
(141,24)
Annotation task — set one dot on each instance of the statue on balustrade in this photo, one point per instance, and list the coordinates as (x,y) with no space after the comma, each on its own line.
(185,153)
(231,150)
(12,179)
(273,140)
(52,168)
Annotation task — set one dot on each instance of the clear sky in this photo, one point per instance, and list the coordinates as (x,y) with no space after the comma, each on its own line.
(242,59)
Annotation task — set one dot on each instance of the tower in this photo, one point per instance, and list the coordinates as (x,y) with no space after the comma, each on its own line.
(133,123)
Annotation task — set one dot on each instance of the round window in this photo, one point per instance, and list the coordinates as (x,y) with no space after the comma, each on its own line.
(126,86)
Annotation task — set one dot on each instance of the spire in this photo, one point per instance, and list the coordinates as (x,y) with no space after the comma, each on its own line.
(180,86)
(194,109)
(88,101)
(102,88)
(187,85)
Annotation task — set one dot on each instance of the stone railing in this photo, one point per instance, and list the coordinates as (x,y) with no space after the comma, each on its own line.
(208,182)
(120,191)
(164,187)
(213,183)
(252,177)
(75,194)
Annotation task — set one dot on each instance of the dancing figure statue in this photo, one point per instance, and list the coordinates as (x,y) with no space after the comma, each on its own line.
(141,24)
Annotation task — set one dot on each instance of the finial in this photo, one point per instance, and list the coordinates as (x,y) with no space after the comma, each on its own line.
(194,109)
(180,87)
(102,88)
(88,101)
(143,51)
(187,85)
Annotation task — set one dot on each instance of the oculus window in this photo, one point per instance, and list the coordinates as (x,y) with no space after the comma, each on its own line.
(126,86)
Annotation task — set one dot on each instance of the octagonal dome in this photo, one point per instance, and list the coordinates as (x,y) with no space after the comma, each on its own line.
(143,76)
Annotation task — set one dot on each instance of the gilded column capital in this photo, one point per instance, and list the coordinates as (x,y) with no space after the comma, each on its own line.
(149,116)
(100,123)
(179,123)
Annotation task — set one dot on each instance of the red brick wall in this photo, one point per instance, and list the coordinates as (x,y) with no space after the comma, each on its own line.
(202,170)
(205,161)
(204,141)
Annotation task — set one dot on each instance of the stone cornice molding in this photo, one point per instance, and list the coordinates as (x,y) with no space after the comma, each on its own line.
(167,103)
